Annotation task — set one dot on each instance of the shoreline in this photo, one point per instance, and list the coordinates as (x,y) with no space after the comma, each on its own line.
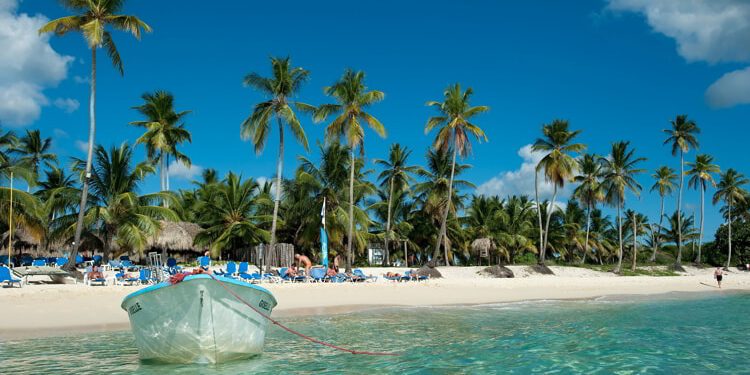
(49,310)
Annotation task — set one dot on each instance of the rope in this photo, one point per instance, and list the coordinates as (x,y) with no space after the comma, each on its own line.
(311,339)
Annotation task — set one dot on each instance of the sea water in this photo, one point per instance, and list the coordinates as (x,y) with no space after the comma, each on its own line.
(674,335)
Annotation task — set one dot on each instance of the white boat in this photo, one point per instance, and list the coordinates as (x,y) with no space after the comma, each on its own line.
(198,321)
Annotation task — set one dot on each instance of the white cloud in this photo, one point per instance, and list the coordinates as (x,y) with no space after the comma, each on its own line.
(705,30)
(521,180)
(180,170)
(28,65)
(81,80)
(67,104)
(82,146)
(731,89)
(59,133)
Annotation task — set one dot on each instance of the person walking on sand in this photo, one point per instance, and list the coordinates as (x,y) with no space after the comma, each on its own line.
(303,261)
(718,275)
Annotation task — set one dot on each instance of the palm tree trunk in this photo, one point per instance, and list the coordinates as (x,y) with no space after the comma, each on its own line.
(656,238)
(388,226)
(406,256)
(635,241)
(71,265)
(444,219)
(166,175)
(679,209)
(539,216)
(277,198)
(700,238)
(349,253)
(588,230)
(619,233)
(549,215)
(729,257)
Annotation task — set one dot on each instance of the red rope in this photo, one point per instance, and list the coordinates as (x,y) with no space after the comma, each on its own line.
(276,322)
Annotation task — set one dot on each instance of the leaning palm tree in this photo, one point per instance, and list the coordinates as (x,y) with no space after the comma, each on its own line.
(34,151)
(664,178)
(352,99)
(619,171)
(455,114)
(589,190)
(397,175)
(558,165)
(92,19)
(701,172)
(280,90)
(731,192)
(682,137)
(164,132)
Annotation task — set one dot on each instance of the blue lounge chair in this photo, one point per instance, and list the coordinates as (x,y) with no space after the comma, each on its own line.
(97,258)
(130,280)
(204,262)
(79,259)
(285,277)
(51,261)
(361,274)
(26,260)
(89,281)
(144,276)
(127,265)
(6,277)
(61,261)
(415,277)
(41,262)
(172,266)
(115,264)
(318,274)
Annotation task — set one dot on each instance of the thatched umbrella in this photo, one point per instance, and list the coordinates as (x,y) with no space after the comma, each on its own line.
(483,245)
(176,236)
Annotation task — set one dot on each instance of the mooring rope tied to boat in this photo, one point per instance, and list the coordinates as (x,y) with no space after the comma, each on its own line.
(282,326)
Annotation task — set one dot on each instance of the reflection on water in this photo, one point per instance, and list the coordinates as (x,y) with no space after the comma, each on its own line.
(671,336)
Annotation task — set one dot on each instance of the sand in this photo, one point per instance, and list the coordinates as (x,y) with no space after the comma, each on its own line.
(51,309)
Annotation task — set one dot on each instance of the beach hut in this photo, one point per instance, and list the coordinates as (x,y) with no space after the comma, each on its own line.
(176,237)
(484,247)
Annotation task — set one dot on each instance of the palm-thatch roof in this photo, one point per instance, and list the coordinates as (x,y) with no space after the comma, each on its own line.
(483,245)
(176,236)
(22,238)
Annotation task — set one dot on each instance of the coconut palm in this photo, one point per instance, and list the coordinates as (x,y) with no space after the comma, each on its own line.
(671,232)
(164,131)
(682,137)
(664,182)
(34,151)
(352,100)
(619,170)
(453,120)
(701,175)
(115,209)
(396,175)
(280,90)
(516,226)
(637,225)
(731,192)
(589,191)
(91,19)
(558,165)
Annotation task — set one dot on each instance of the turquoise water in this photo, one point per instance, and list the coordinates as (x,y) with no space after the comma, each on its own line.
(696,335)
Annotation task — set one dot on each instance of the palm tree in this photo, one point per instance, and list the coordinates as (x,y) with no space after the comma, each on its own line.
(164,132)
(684,224)
(619,170)
(637,224)
(352,99)
(455,114)
(589,190)
(682,137)
(516,226)
(34,151)
(731,192)
(115,210)
(664,178)
(397,175)
(92,19)
(558,164)
(701,172)
(280,90)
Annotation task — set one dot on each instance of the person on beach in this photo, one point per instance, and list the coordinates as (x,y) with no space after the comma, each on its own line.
(331,272)
(718,275)
(292,271)
(303,261)
(95,273)
(336,262)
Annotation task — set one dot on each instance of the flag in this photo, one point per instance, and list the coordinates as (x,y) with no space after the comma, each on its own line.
(323,235)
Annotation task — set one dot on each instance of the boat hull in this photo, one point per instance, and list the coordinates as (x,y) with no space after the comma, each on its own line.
(198,320)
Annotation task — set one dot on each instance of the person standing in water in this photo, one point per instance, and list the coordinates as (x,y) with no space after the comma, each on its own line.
(718,275)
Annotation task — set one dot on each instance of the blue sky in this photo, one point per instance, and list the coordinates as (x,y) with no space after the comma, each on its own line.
(618,70)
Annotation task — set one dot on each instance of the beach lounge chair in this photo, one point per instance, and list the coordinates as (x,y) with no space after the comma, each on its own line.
(415,277)
(79,259)
(89,281)
(97,258)
(61,261)
(26,260)
(127,265)
(115,264)
(359,273)
(318,275)
(397,278)
(285,277)
(41,262)
(144,276)
(231,271)
(7,278)
(172,266)
(204,262)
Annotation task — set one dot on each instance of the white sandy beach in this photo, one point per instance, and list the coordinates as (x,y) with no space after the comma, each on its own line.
(48,309)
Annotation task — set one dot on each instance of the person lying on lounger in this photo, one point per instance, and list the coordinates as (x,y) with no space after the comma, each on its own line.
(95,273)
(292,271)
(392,274)
(331,272)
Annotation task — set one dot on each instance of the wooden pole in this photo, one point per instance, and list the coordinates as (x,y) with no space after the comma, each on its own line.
(10,220)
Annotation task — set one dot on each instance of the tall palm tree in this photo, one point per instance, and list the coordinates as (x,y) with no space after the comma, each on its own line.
(352,100)
(701,174)
(731,192)
(280,90)
(638,225)
(516,226)
(164,132)
(664,182)
(453,120)
(619,171)
(34,151)
(91,19)
(589,190)
(558,164)
(396,175)
(682,137)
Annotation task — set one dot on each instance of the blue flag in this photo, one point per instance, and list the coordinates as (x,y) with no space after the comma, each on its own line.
(324,235)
